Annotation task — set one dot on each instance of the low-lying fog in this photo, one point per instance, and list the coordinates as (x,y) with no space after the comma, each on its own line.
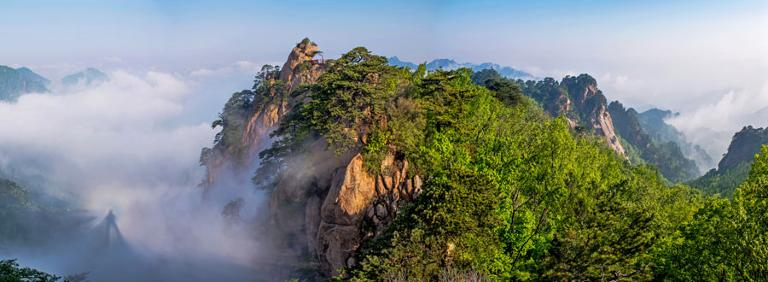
(131,145)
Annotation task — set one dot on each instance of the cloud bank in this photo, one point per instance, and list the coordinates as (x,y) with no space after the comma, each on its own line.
(131,145)
(713,124)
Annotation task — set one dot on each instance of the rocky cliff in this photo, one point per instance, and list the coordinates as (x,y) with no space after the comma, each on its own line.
(578,99)
(330,205)
(323,204)
(743,148)
(250,115)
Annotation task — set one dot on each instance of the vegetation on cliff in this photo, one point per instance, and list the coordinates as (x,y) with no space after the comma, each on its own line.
(665,155)
(512,194)
(509,192)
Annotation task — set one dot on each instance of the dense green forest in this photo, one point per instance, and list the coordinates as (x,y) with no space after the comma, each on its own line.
(511,193)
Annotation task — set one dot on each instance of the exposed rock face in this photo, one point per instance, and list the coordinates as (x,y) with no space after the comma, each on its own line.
(301,56)
(591,106)
(357,197)
(735,165)
(322,205)
(263,117)
(344,204)
(578,99)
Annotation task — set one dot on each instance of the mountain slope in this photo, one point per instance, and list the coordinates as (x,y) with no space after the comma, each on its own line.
(578,99)
(665,155)
(652,122)
(363,163)
(733,168)
(15,82)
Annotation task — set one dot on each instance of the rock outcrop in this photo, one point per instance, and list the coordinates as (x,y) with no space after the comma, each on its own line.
(358,207)
(329,205)
(269,104)
(322,205)
(591,106)
(578,99)
(736,163)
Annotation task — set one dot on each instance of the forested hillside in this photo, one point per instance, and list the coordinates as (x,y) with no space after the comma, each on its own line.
(654,123)
(386,173)
(666,155)
(584,106)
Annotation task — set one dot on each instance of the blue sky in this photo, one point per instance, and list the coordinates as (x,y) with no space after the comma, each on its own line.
(698,47)
(174,32)
(706,59)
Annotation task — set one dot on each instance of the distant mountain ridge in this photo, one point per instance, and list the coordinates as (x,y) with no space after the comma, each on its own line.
(578,99)
(88,76)
(15,82)
(583,104)
(643,144)
(449,64)
(653,122)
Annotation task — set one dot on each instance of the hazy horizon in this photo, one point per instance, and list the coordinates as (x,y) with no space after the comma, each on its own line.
(701,58)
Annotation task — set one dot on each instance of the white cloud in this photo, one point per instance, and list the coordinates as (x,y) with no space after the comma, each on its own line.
(712,125)
(238,67)
(127,145)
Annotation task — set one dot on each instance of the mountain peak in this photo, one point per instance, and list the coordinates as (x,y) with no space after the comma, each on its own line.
(744,146)
(89,76)
(16,82)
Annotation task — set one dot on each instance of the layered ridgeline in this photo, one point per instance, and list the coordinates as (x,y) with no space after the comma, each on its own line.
(448,64)
(734,167)
(654,123)
(20,81)
(15,82)
(578,100)
(656,150)
(377,172)
(584,106)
